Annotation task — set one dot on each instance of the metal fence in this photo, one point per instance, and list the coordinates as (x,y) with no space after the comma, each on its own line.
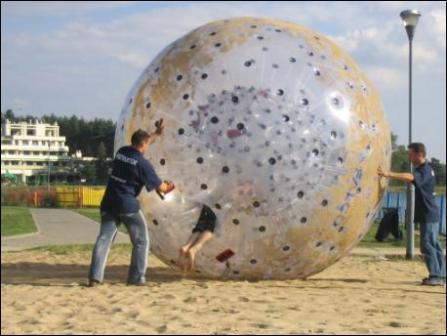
(399,200)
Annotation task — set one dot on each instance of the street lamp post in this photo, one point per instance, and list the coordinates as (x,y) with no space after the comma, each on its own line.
(410,19)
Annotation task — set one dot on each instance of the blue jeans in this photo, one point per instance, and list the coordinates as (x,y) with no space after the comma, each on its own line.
(432,251)
(139,236)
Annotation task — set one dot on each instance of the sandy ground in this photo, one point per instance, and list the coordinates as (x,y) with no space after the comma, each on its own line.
(45,293)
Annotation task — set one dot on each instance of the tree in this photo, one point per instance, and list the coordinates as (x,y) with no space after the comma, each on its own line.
(88,172)
(439,169)
(101,164)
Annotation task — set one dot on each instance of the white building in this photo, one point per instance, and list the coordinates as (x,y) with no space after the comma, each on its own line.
(30,149)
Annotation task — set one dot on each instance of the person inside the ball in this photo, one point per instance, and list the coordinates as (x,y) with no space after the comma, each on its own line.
(201,234)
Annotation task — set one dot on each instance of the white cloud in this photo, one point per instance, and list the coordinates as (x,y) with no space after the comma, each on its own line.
(385,79)
(133,59)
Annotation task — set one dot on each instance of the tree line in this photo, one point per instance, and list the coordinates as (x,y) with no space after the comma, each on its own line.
(95,138)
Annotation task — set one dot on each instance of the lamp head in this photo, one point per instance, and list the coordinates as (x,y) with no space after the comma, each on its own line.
(410,18)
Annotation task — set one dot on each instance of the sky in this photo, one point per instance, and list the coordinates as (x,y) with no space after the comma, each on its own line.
(82,58)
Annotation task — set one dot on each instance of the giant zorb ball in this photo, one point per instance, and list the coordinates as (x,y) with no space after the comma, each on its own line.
(273,127)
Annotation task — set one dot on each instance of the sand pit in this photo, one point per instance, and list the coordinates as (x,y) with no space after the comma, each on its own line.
(43,293)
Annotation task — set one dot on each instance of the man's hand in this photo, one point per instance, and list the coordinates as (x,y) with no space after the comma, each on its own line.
(381,172)
(166,187)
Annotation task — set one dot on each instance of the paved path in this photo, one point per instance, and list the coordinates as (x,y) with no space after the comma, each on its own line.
(58,227)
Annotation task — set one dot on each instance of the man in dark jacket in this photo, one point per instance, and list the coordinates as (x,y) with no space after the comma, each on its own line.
(130,173)
(426,211)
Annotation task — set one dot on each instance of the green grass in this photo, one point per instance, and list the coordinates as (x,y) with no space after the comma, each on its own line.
(16,221)
(94,214)
(370,241)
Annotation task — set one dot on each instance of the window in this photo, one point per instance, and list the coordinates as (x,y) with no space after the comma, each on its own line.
(35,143)
(16,142)
(26,153)
(25,142)
(6,142)
(30,132)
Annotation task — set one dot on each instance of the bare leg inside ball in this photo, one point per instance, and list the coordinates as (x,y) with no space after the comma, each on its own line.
(203,238)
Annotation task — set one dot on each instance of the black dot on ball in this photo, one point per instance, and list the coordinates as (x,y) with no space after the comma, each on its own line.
(286,248)
(303,220)
(217,45)
(185,96)
(272,161)
(236,221)
(260,37)
(315,152)
(324,202)
(256,204)
(319,244)
(247,63)
(304,101)
(285,117)
(292,60)
(300,194)
(193,46)
(214,120)
(162,162)
(155,222)
(204,76)
(179,77)
(332,248)
(225,169)
(199,160)
(217,206)
(148,105)
(213,33)
(253,261)
(280,92)
(203,186)
(235,99)
(181,131)
(240,126)
(262,228)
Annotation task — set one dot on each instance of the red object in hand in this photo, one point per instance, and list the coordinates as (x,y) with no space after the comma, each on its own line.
(225,255)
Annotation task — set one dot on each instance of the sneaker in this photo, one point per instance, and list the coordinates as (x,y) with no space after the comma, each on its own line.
(433,282)
(94,283)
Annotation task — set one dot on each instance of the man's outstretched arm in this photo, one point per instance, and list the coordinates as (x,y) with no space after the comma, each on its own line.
(406,177)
